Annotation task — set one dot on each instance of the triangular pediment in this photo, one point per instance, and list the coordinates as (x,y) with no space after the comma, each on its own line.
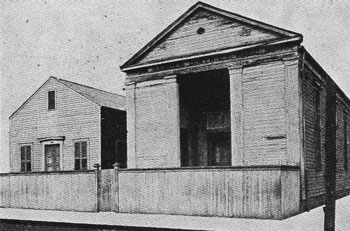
(204,29)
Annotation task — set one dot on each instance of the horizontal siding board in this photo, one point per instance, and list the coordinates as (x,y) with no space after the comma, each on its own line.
(220,33)
(156,125)
(264,109)
(315,179)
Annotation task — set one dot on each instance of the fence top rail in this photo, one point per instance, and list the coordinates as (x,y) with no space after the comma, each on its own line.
(218,168)
(46,173)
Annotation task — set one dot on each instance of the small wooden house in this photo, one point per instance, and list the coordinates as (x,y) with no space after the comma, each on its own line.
(229,116)
(67,126)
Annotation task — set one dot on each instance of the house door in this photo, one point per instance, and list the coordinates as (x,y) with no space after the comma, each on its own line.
(52,157)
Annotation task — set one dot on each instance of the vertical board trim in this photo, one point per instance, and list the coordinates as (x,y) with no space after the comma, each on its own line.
(236,97)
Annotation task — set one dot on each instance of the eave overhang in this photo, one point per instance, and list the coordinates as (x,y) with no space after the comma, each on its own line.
(131,64)
(296,40)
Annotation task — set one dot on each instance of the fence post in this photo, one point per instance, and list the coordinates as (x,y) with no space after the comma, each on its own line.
(116,175)
(98,184)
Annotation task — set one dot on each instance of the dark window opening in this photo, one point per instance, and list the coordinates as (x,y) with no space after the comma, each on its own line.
(51,100)
(317,128)
(26,165)
(80,155)
(113,139)
(205,136)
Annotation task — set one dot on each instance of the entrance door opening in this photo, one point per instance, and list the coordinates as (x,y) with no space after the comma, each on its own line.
(205,137)
(52,157)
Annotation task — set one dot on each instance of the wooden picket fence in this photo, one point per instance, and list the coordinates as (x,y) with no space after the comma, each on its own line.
(70,190)
(260,192)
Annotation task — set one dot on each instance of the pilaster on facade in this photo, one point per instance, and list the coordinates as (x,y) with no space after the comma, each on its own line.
(236,97)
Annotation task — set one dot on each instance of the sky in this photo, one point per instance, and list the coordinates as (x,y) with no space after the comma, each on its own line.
(86,41)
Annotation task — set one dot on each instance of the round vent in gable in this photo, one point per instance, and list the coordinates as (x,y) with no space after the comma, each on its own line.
(200,30)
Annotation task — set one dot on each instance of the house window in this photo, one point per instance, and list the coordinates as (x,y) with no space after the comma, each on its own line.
(51,100)
(317,128)
(345,141)
(26,164)
(80,155)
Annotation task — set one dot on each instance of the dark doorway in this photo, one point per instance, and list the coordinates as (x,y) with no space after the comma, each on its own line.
(205,137)
(113,138)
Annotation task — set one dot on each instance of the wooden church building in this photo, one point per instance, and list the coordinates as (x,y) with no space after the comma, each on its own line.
(65,126)
(229,116)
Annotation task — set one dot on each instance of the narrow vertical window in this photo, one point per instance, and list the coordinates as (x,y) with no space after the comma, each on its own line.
(51,100)
(26,165)
(80,155)
(345,141)
(317,129)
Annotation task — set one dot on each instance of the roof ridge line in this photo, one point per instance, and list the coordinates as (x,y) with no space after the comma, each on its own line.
(200,5)
(64,80)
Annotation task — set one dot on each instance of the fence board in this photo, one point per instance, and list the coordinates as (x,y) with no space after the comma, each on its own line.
(228,191)
(73,191)
(109,190)
(254,193)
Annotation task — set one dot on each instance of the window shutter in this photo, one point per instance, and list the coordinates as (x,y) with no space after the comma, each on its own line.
(23,166)
(26,158)
(80,154)
(84,149)
(23,153)
(77,150)
(77,164)
(28,153)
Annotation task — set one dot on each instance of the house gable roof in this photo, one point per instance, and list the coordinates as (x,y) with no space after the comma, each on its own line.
(223,31)
(99,97)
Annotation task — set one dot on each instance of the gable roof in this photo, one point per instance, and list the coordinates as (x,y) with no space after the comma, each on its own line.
(100,97)
(132,63)
(97,96)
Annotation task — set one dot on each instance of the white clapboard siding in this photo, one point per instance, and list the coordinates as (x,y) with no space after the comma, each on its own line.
(220,33)
(264,114)
(157,125)
(75,117)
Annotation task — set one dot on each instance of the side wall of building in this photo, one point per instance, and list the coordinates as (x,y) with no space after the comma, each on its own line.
(314,86)
(75,118)
(343,146)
